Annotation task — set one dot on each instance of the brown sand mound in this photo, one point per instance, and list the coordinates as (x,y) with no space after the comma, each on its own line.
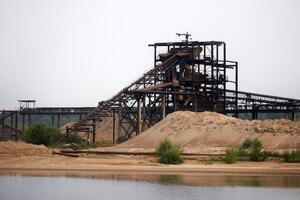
(209,130)
(22,149)
(63,128)
(104,129)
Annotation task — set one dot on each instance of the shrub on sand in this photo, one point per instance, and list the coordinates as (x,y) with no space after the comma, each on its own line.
(292,157)
(41,134)
(169,153)
(121,139)
(231,156)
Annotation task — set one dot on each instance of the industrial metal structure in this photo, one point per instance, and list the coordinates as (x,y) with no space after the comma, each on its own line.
(187,75)
(13,122)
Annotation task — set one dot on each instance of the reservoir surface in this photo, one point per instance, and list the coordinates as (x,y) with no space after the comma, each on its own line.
(166,187)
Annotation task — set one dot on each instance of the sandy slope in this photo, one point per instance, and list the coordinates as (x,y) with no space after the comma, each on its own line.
(104,129)
(15,149)
(212,130)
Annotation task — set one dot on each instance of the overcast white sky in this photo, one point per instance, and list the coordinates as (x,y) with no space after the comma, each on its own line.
(76,53)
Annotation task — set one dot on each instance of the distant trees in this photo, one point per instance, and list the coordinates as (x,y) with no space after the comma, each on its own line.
(41,134)
(48,136)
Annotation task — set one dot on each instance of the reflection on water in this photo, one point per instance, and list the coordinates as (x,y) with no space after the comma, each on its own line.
(192,179)
(170,179)
(64,188)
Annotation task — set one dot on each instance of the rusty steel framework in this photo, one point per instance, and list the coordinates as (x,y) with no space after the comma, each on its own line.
(188,75)
(12,122)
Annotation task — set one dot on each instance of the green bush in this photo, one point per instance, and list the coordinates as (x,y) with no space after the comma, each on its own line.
(253,149)
(272,154)
(257,155)
(292,157)
(121,139)
(249,144)
(242,153)
(74,139)
(256,144)
(168,153)
(231,156)
(41,134)
(246,144)
(275,154)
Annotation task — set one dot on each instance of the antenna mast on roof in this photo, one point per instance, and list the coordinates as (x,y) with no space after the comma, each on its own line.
(187,36)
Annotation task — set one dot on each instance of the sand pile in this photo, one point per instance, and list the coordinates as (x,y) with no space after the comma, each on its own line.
(63,129)
(104,129)
(22,149)
(208,129)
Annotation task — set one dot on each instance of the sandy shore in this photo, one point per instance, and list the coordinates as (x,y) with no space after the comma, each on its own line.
(143,164)
(17,157)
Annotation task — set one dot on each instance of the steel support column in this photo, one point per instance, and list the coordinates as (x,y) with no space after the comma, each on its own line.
(114,127)
(2,121)
(16,120)
(119,120)
(139,116)
(236,90)
(52,120)
(12,121)
(163,105)
(23,122)
(94,132)
(224,66)
(58,120)
(293,116)
(29,120)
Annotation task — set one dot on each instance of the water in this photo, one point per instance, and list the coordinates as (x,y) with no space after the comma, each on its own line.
(166,187)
